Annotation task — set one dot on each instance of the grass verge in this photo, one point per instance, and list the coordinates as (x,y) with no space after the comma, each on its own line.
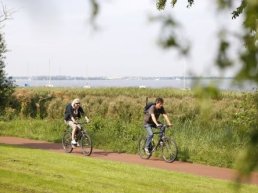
(29,170)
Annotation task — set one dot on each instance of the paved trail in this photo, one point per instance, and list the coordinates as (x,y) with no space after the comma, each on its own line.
(183,167)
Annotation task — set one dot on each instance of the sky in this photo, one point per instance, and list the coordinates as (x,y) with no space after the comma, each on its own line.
(54,37)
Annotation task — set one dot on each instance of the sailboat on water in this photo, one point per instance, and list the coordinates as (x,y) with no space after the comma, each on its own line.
(49,84)
(49,78)
(87,85)
(185,88)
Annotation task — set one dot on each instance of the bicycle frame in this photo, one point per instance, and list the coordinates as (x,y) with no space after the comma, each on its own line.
(166,144)
(160,137)
(81,137)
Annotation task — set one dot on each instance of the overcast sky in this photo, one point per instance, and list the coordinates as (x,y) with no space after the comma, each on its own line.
(54,37)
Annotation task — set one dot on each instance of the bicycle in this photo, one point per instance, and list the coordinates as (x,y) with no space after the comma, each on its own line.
(81,136)
(167,145)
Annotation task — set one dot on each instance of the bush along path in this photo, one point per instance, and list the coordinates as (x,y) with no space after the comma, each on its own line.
(195,169)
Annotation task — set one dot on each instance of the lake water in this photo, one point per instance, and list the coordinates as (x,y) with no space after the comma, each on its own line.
(223,84)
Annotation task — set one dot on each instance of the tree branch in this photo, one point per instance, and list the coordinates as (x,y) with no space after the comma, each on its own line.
(6,14)
(239,10)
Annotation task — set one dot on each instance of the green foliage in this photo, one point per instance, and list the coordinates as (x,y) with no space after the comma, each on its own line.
(169,35)
(223,4)
(250,154)
(55,108)
(248,57)
(190,3)
(239,10)
(208,123)
(223,60)
(207,92)
(161,4)
(6,83)
(10,113)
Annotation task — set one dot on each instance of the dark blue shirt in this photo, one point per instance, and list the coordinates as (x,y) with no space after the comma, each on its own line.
(71,112)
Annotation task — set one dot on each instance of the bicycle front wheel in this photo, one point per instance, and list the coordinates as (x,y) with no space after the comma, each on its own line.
(86,144)
(66,141)
(169,150)
(141,146)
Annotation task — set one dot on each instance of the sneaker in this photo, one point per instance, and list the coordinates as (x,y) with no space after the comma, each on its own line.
(73,142)
(146,151)
(78,144)
(161,142)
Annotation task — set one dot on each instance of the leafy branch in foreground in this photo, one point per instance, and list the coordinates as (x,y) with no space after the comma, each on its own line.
(161,4)
(169,35)
(247,56)
(239,10)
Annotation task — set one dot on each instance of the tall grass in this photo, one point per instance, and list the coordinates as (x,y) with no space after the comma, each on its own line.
(209,129)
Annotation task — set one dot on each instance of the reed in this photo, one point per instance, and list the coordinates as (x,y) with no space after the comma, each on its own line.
(209,128)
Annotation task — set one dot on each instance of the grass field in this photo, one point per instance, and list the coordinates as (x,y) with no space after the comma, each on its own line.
(38,171)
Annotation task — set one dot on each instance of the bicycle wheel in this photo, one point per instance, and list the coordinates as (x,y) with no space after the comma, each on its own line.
(169,150)
(66,141)
(86,144)
(141,146)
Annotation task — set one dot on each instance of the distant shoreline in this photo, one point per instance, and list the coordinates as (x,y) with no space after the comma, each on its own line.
(185,83)
(115,78)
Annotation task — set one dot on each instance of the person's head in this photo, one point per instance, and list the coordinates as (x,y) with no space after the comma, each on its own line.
(159,103)
(76,103)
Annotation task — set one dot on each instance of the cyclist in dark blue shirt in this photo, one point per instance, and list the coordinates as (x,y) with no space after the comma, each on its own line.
(73,112)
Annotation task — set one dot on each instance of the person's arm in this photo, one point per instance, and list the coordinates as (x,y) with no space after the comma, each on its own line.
(167,119)
(73,119)
(154,119)
(83,113)
(87,119)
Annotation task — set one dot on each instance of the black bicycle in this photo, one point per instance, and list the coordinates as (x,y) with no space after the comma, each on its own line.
(167,145)
(81,137)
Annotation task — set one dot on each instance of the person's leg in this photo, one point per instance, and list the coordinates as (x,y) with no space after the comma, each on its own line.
(78,127)
(73,133)
(149,135)
(74,127)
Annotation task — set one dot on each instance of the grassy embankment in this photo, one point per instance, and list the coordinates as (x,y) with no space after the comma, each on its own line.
(210,127)
(28,170)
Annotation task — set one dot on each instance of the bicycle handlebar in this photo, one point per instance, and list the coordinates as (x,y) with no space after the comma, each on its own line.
(164,125)
(81,123)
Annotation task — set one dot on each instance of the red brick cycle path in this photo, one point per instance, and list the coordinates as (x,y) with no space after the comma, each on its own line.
(177,166)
